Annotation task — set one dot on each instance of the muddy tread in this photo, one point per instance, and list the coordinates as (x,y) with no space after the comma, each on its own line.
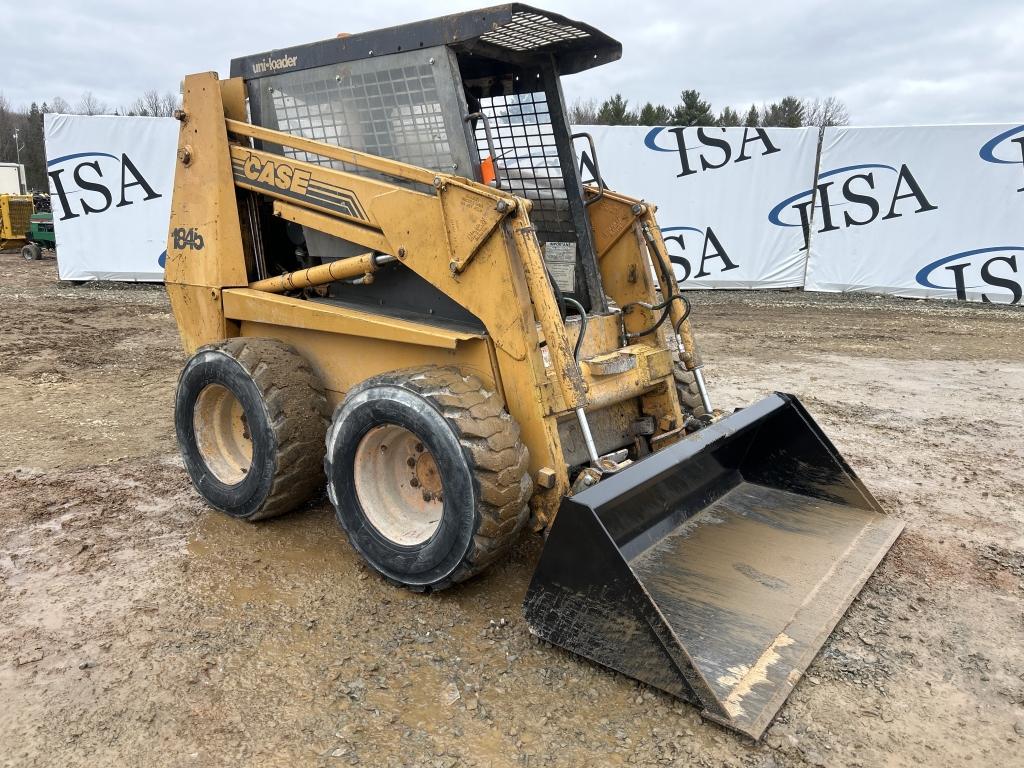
(297,410)
(498,459)
(689,395)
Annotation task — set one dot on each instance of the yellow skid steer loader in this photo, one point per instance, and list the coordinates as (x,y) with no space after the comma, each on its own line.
(393,281)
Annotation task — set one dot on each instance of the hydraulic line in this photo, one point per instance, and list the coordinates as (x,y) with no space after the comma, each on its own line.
(665,307)
(581,415)
(583,325)
(688,348)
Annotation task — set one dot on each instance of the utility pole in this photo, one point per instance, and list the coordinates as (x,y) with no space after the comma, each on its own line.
(17,151)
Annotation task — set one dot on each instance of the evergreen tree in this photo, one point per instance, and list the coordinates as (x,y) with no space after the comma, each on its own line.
(729,118)
(753,119)
(33,156)
(692,110)
(788,113)
(652,114)
(615,111)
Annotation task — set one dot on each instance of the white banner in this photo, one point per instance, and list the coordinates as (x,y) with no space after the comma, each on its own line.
(926,212)
(716,190)
(110,188)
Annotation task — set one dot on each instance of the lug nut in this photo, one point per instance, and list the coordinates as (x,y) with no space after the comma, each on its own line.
(414,483)
(419,447)
(410,462)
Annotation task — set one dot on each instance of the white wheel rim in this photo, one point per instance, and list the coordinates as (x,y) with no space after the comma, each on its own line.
(222,434)
(398,485)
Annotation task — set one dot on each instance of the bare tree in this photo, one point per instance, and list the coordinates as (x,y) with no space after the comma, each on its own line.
(169,103)
(137,108)
(152,103)
(59,106)
(90,105)
(825,112)
(583,112)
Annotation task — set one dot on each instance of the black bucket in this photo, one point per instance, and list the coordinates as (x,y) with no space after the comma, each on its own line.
(716,568)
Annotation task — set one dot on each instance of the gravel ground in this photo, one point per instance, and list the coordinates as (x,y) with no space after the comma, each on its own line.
(139,627)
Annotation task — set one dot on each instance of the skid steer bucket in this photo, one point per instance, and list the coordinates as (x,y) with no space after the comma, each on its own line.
(716,568)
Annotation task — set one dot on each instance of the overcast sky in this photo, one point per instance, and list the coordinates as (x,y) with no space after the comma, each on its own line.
(890,61)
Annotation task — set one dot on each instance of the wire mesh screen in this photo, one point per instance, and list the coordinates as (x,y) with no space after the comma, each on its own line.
(527,31)
(527,159)
(392,106)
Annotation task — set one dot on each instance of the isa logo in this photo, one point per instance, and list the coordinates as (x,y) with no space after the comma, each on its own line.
(88,183)
(705,249)
(977,269)
(714,148)
(853,196)
(1006,148)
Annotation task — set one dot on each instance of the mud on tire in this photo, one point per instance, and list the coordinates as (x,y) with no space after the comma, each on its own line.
(689,395)
(458,427)
(250,416)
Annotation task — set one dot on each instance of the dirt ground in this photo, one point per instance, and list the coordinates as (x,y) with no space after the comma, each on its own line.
(138,627)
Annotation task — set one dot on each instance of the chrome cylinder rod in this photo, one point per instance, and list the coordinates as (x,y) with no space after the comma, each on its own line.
(698,376)
(588,438)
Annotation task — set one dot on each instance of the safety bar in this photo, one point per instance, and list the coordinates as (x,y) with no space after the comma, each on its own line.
(601,186)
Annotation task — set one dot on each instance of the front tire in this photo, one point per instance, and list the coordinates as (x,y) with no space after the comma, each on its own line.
(250,416)
(428,475)
(31,252)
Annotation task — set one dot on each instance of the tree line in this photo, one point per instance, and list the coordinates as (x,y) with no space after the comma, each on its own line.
(21,130)
(694,110)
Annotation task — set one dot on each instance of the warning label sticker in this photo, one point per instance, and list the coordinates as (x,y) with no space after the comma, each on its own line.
(561,262)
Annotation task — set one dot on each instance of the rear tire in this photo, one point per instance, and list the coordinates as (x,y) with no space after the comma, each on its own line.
(427,475)
(31,252)
(251,415)
(689,394)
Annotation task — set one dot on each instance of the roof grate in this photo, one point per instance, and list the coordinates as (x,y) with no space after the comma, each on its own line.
(528,31)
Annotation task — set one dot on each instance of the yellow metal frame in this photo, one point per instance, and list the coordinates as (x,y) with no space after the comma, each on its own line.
(474,243)
(15,211)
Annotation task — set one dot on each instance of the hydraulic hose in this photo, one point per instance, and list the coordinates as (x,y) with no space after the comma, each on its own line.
(665,307)
(583,325)
(581,415)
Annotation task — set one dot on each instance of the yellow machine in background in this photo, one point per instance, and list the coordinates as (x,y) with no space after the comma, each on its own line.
(15,211)
(392,280)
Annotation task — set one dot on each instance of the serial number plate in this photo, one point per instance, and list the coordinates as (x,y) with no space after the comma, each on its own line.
(561,263)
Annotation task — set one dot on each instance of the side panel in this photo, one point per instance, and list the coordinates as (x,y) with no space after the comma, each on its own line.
(343,361)
(200,315)
(204,244)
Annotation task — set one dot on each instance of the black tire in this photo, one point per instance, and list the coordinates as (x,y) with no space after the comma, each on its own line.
(689,394)
(31,252)
(283,416)
(481,465)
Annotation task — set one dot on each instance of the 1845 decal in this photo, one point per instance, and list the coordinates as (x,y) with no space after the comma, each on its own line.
(187,238)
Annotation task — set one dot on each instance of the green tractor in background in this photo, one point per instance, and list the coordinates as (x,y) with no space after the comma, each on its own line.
(40,230)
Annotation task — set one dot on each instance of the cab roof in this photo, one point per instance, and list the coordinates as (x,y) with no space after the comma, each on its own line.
(512,32)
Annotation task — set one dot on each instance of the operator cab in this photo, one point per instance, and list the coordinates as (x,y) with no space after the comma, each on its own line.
(474,94)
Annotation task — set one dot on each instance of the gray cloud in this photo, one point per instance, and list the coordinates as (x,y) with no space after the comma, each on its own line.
(911,61)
